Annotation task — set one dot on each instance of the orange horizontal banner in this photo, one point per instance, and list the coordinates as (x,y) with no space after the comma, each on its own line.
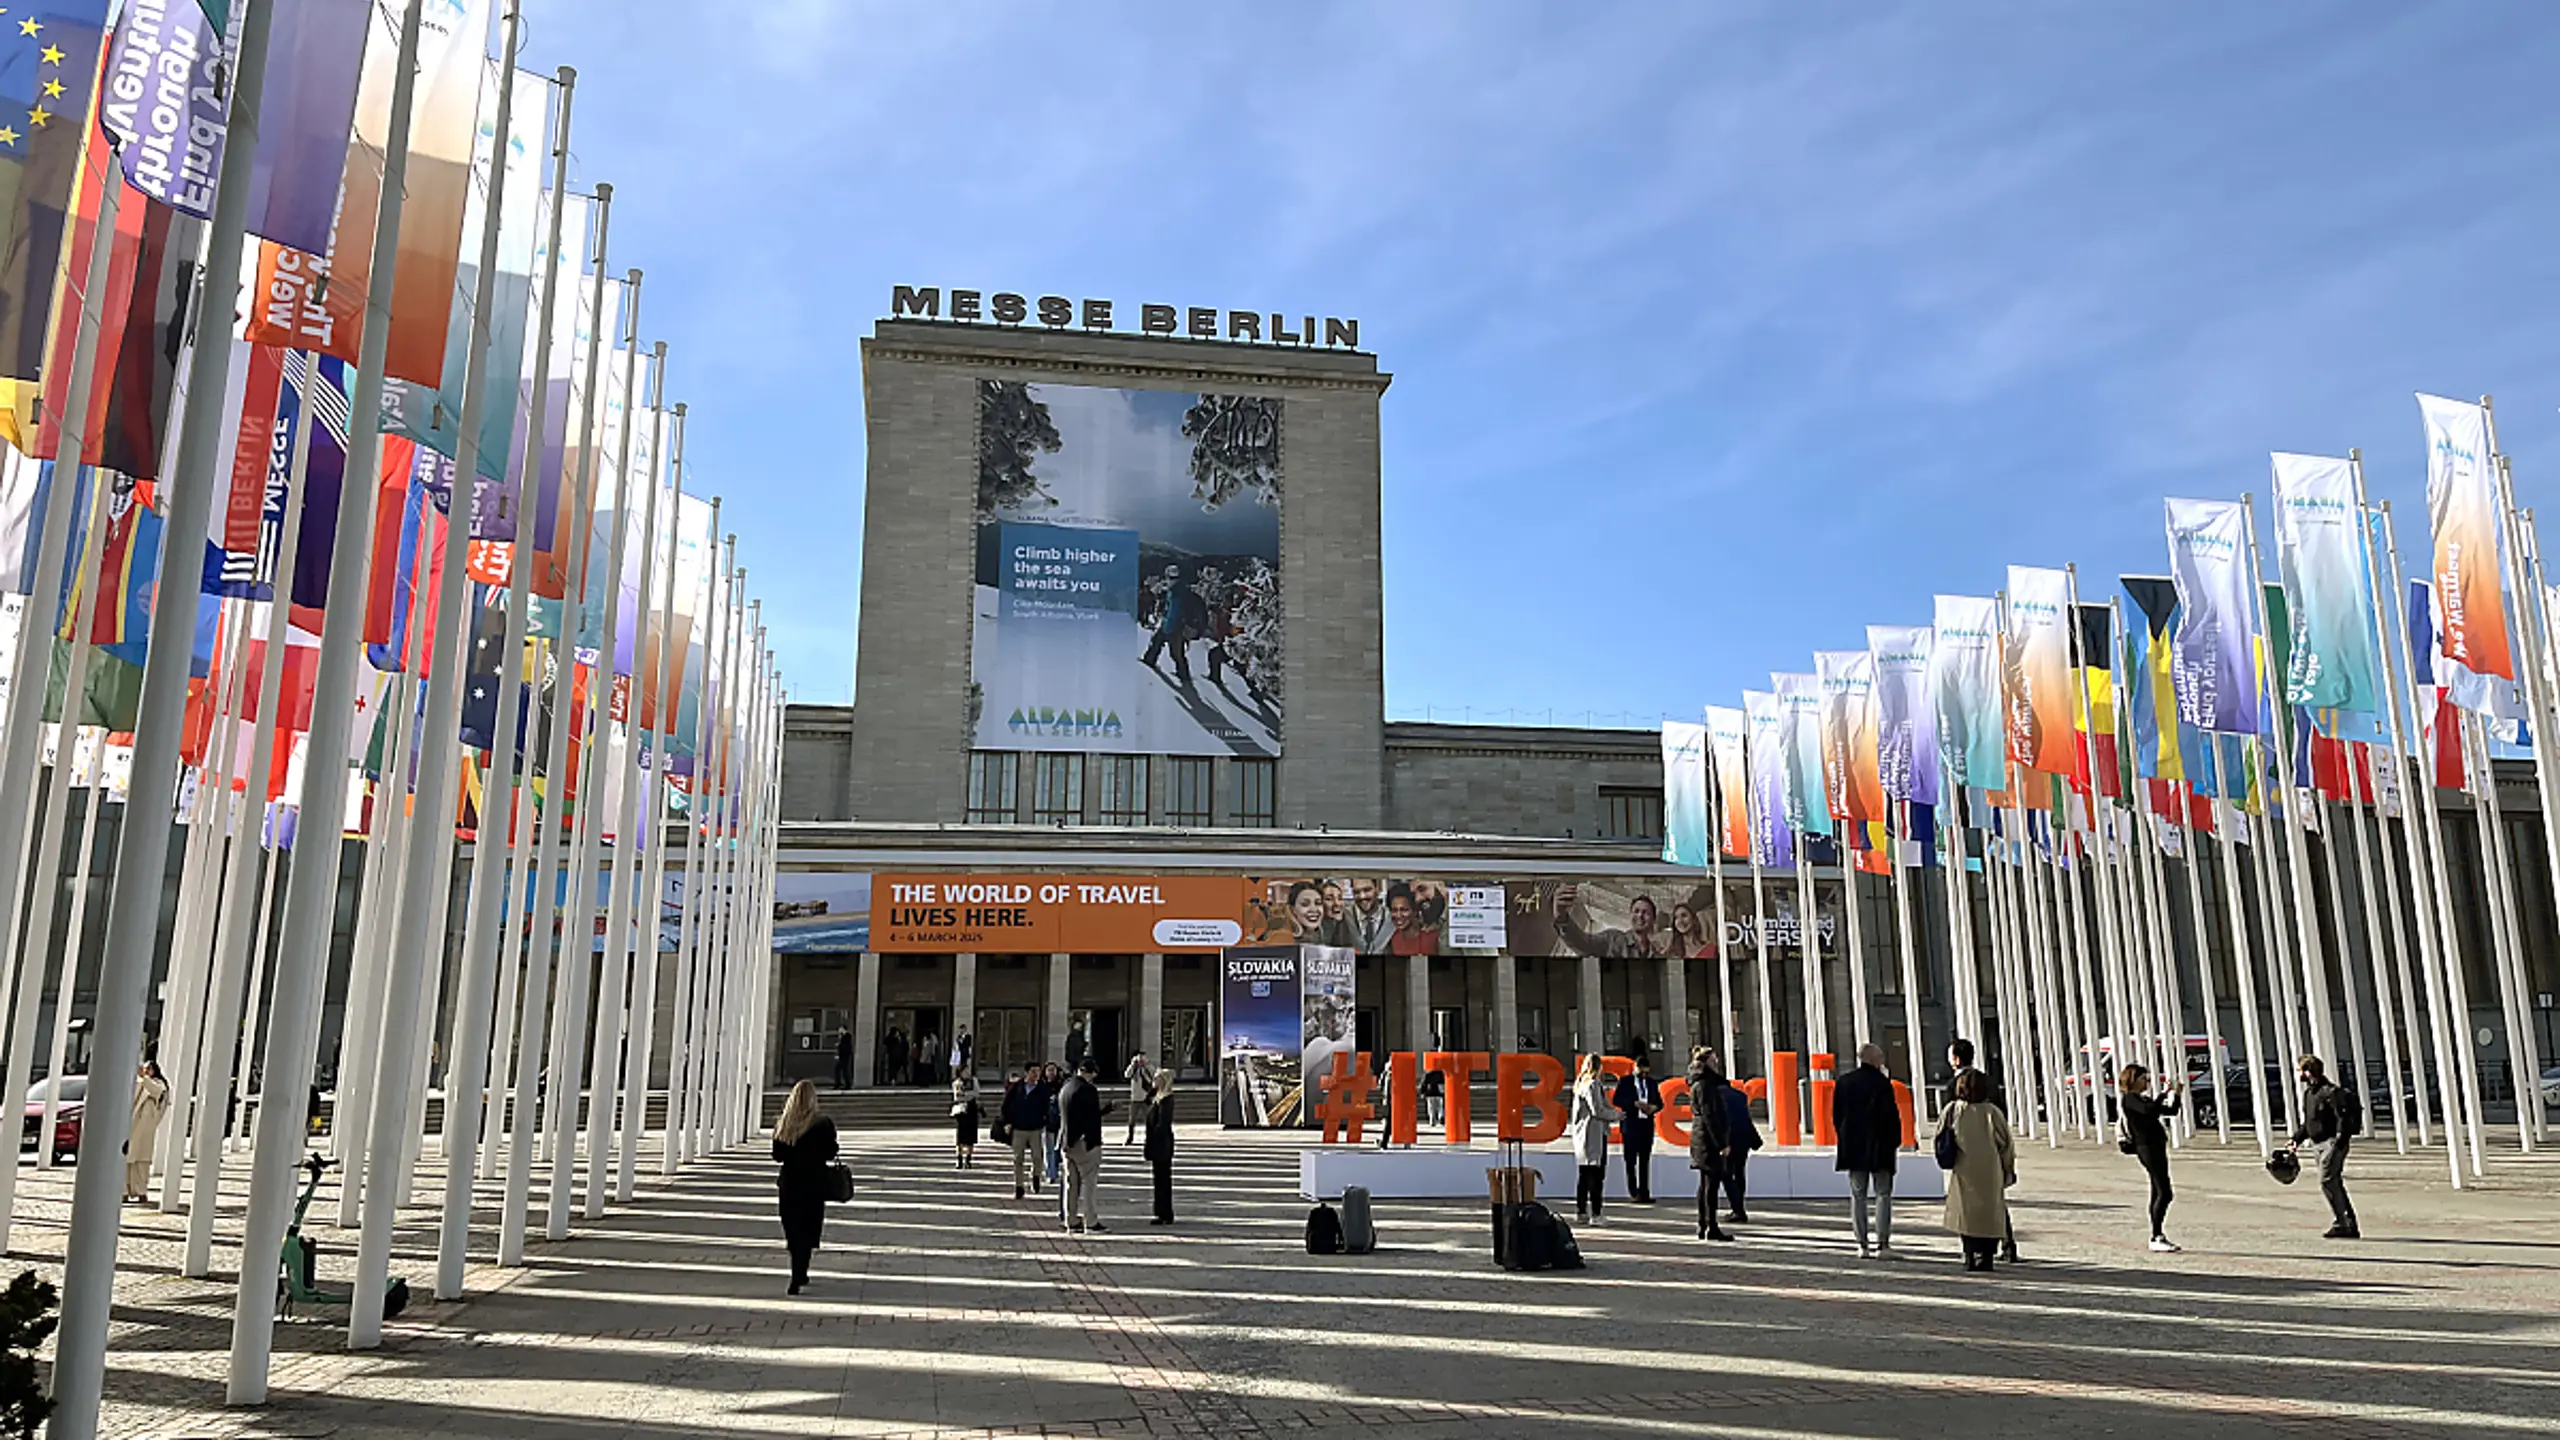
(959,913)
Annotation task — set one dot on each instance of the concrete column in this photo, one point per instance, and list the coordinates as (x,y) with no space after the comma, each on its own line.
(964,1001)
(1675,1018)
(1053,1037)
(866,1018)
(1417,1003)
(1506,1005)
(1594,1036)
(1150,1037)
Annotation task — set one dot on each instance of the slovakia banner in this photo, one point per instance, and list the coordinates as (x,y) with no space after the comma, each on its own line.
(2210,659)
(2320,554)
(1849,777)
(1906,732)
(1964,682)
(1772,842)
(1808,809)
(2462,508)
(2036,679)
(1725,731)
(1684,793)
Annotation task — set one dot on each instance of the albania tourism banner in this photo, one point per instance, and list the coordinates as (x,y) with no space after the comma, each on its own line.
(2462,508)
(1964,679)
(1772,842)
(2209,659)
(1127,596)
(1906,731)
(1684,793)
(1726,729)
(1808,812)
(2320,552)
(2036,676)
(1849,777)
(1284,1011)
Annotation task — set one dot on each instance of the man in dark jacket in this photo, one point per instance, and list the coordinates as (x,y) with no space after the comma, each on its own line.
(1080,1111)
(1869,1127)
(1160,1146)
(1638,1100)
(844,1059)
(2330,1118)
(1026,1115)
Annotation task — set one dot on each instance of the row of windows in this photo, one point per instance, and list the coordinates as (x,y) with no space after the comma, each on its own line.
(1120,790)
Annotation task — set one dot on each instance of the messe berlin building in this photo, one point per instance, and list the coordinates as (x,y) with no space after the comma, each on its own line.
(1121,677)
(1120,711)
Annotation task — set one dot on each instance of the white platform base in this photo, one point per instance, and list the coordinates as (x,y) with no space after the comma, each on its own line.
(1457,1173)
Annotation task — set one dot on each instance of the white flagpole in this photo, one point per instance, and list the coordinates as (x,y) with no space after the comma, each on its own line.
(498,1114)
(417,934)
(2524,1053)
(22,741)
(1715,881)
(469,1148)
(684,1049)
(232,935)
(311,894)
(533,1038)
(92,800)
(1760,946)
(644,1005)
(1862,1028)
(2346,969)
(360,1029)
(2499,881)
(2365,862)
(2235,903)
(612,1023)
(1916,1044)
(718,1085)
(2454,991)
(2376,844)
(2211,1004)
(2305,910)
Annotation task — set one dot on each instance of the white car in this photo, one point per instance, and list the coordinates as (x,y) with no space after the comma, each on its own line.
(2551,1088)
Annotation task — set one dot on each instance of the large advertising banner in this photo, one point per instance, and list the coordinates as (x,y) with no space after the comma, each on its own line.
(1128,571)
(1628,919)
(1284,1011)
(1376,914)
(949,914)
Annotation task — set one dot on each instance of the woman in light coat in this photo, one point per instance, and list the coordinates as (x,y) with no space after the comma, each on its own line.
(1589,1128)
(1986,1166)
(150,1103)
(964,1117)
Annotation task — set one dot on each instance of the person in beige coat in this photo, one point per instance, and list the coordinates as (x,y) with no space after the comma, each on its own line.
(150,1103)
(1986,1166)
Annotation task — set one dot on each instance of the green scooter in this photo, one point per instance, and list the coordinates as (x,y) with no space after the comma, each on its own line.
(296,1278)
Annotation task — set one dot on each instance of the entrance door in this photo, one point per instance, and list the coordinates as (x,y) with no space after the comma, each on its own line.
(1186,1042)
(904,1057)
(1096,1034)
(1001,1040)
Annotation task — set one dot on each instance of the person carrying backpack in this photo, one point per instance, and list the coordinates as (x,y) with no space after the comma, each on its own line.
(2331,1118)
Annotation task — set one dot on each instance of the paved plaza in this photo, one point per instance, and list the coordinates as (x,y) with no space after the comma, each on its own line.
(943,1307)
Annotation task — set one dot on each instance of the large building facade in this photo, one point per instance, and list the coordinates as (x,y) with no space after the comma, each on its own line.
(1120,661)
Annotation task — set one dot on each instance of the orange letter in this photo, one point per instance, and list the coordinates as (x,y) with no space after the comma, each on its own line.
(1910,1121)
(1458,1069)
(1544,1075)
(1404,1097)
(1616,1067)
(1786,1117)
(1673,1123)
(1346,1096)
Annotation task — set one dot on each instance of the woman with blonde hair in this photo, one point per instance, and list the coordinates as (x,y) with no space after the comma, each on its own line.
(804,1145)
(1589,1127)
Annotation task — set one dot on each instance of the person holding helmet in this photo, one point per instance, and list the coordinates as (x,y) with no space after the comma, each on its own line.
(2330,1118)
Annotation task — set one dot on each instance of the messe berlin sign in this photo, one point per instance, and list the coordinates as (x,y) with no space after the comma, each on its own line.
(1057,312)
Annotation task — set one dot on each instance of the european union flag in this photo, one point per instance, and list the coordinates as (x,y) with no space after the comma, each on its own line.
(48,77)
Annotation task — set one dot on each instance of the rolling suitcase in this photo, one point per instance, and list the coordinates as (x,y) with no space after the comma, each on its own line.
(1359,1232)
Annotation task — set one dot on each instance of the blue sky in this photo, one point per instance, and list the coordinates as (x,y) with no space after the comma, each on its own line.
(1719,330)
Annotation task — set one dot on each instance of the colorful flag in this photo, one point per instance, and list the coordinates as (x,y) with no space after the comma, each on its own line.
(1808,809)
(2093,655)
(1964,683)
(2036,672)
(1849,765)
(1906,721)
(2462,508)
(2211,657)
(453,49)
(2498,701)
(2152,699)
(1726,732)
(1770,758)
(1684,793)
(154,336)
(2320,555)
(48,73)
(323,481)
(166,85)
(315,56)
(44,428)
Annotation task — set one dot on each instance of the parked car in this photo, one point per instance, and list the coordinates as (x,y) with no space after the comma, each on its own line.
(66,1115)
(2235,1083)
(2551,1088)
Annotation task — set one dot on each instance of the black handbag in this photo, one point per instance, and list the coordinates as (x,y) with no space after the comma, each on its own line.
(839,1183)
(1949,1152)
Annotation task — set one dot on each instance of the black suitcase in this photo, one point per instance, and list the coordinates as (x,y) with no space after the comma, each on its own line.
(1533,1241)
(1359,1230)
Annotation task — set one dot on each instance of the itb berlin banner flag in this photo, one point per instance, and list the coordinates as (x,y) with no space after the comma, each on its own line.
(1906,732)
(2320,552)
(2462,507)
(163,98)
(2209,660)
(2036,675)
(1772,842)
(1725,731)
(1964,681)
(1684,793)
